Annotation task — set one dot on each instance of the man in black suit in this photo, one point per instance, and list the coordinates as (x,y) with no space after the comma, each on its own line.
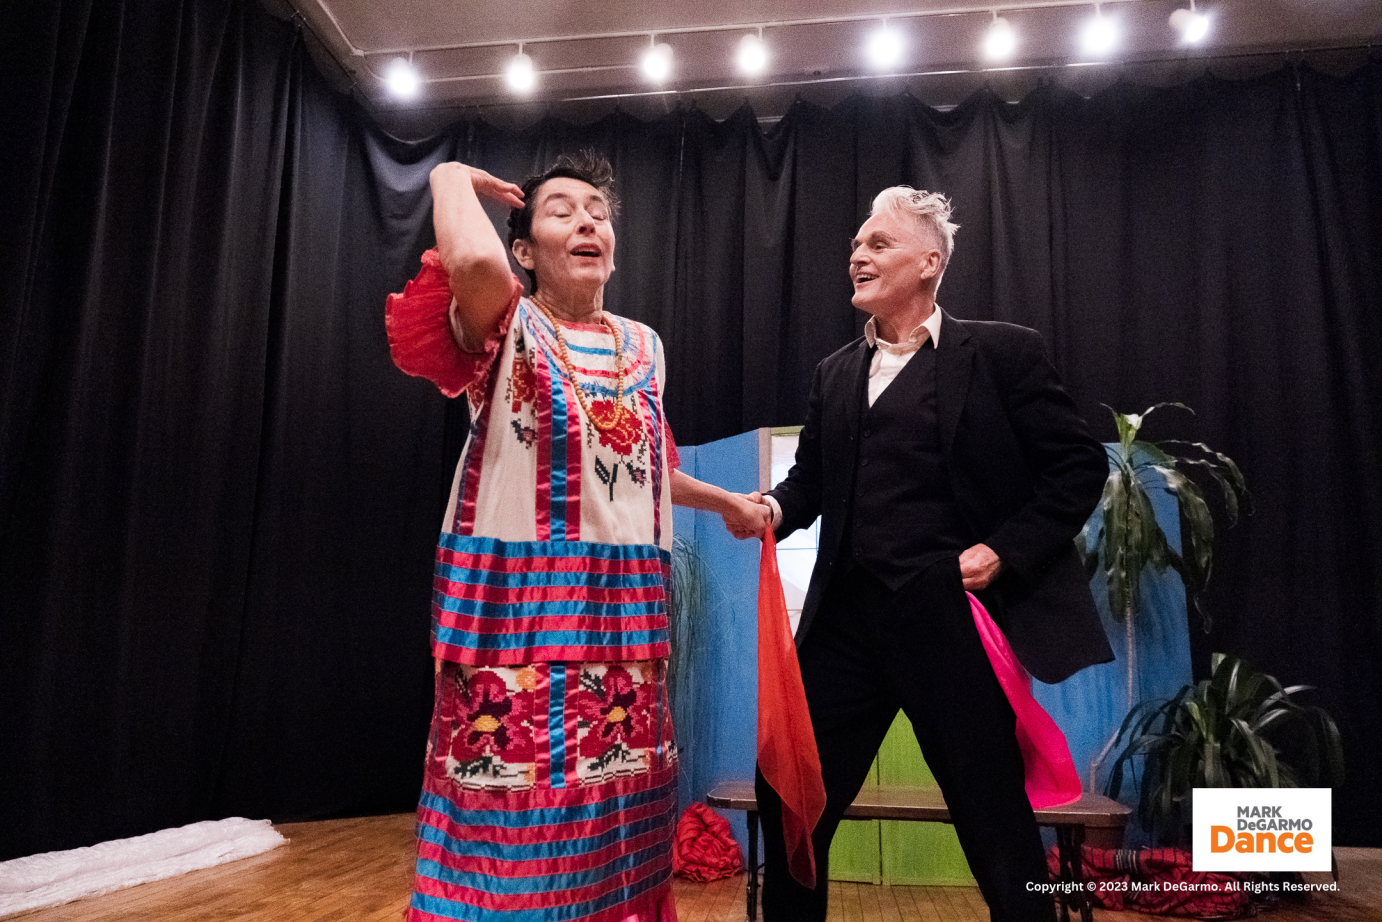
(942,456)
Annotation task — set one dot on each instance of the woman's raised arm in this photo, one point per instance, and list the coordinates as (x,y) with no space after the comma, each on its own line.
(476,263)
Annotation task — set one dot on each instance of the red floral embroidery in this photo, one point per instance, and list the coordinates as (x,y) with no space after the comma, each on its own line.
(617,710)
(522,384)
(491,720)
(623,438)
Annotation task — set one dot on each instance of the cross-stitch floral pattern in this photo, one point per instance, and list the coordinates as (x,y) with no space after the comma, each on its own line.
(522,384)
(489,720)
(624,437)
(623,720)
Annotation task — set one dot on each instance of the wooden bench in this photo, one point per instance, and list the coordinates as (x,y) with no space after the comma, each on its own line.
(1103,819)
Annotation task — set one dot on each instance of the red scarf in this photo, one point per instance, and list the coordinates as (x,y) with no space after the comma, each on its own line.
(786,745)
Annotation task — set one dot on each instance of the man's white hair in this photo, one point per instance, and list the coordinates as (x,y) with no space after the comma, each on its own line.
(931,210)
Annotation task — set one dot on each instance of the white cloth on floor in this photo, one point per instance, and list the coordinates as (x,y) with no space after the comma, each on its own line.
(60,877)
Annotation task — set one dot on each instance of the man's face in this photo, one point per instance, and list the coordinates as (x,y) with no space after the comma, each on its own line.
(890,260)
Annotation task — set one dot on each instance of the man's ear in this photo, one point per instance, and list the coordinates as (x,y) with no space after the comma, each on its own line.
(523,252)
(930,265)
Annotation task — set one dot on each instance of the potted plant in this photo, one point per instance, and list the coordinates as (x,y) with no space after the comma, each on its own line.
(1223,732)
(1124,538)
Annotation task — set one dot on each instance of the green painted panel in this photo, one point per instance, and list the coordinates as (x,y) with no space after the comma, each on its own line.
(854,852)
(917,854)
(923,854)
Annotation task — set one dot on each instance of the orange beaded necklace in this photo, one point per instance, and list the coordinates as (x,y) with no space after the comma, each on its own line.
(617,416)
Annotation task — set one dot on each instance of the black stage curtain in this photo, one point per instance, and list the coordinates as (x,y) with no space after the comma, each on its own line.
(218,499)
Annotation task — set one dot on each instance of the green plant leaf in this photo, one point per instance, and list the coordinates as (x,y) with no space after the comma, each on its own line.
(1169,403)
(1127,426)
(1214,774)
(1258,761)
(1332,749)
(1153,456)
(1117,553)
(1223,469)
(1230,496)
(1199,529)
(1270,718)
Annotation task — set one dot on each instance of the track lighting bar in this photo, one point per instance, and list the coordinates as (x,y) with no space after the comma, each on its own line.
(884,50)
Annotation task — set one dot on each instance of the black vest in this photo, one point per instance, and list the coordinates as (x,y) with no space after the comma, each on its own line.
(903,514)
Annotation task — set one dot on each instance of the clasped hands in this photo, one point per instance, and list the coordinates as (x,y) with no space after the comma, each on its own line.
(749,514)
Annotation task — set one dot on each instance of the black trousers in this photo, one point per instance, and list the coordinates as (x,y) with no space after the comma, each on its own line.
(870,652)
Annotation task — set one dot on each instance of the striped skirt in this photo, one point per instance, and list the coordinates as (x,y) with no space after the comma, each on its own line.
(549,795)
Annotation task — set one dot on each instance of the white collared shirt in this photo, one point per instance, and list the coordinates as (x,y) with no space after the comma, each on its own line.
(890,358)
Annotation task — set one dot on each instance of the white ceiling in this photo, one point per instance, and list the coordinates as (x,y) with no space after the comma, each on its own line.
(584,54)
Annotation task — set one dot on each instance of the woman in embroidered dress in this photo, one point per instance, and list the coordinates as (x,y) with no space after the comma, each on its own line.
(550,783)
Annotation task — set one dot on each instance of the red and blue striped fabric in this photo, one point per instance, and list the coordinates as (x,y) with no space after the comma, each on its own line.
(652,410)
(513,602)
(558,501)
(587,854)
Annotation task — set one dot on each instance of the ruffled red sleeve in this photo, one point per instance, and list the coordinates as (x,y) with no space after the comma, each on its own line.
(418,321)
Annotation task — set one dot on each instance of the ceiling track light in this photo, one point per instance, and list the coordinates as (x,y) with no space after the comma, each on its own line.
(520,74)
(1192,25)
(657,60)
(1099,37)
(885,48)
(1000,41)
(752,55)
(402,78)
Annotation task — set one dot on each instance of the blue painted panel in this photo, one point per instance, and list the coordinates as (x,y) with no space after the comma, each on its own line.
(1090,705)
(722,745)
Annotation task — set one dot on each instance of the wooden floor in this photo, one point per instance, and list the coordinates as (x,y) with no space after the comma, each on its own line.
(361,869)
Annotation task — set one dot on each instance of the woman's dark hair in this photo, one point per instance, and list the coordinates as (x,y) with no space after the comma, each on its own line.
(588,167)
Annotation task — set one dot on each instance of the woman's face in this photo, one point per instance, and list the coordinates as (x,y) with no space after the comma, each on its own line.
(571,244)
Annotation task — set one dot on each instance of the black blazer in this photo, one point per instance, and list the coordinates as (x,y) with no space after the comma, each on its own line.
(1025,472)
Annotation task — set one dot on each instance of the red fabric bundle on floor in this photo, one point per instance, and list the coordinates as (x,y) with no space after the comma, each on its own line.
(1170,885)
(704,849)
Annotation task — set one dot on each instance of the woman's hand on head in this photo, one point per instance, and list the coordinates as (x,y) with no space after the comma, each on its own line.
(483,183)
(493,187)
